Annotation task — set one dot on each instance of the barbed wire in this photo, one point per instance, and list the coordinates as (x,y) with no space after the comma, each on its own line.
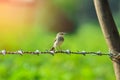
(112,54)
(38,52)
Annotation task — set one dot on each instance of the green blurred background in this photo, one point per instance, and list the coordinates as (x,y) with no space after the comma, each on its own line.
(32,24)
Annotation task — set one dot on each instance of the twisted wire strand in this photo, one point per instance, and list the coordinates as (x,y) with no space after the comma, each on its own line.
(38,52)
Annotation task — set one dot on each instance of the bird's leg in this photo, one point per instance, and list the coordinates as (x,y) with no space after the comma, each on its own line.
(60,48)
(56,49)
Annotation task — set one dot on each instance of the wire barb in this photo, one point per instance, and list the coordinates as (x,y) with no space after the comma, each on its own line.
(68,51)
(84,53)
(37,52)
(3,52)
(20,52)
(52,53)
(99,53)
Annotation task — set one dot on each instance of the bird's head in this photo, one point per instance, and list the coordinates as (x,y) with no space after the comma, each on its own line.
(61,34)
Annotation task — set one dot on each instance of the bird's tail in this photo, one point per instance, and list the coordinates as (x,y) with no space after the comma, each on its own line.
(52,49)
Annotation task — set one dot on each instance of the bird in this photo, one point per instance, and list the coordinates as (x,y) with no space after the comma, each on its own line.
(58,40)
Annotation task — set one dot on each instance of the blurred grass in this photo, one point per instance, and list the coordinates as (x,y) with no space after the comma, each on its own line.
(60,67)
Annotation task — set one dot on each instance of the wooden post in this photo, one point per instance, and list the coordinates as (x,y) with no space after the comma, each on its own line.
(110,32)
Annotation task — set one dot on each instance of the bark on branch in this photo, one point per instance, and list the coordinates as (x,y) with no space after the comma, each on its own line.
(109,30)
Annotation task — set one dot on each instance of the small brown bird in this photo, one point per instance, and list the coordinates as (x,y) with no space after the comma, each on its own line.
(58,41)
